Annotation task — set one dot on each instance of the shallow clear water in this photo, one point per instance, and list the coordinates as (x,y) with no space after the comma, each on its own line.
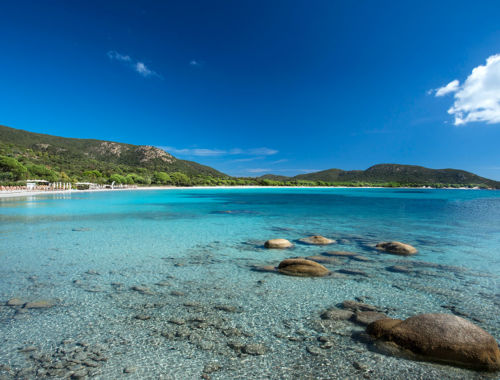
(86,251)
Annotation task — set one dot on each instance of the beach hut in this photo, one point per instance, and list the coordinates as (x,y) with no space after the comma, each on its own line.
(32,184)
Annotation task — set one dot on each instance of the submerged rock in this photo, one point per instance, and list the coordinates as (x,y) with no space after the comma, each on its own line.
(358,306)
(302,268)
(264,268)
(361,258)
(317,240)
(353,272)
(212,367)
(15,302)
(324,259)
(229,308)
(278,244)
(141,289)
(254,349)
(399,269)
(27,349)
(396,248)
(337,314)
(441,337)
(42,304)
(163,283)
(313,350)
(340,253)
(367,317)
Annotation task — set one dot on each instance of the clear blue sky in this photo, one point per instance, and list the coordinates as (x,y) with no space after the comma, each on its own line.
(252,87)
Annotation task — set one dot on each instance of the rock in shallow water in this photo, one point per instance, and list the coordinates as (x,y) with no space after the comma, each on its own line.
(254,349)
(337,314)
(278,244)
(15,302)
(358,306)
(302,268)
(324,259)
(141,289)
(264,268)
(42,304)
(441,337)
(399,269)
(367,317)
(396,248)
(353,272)
(339,253)
(317,240)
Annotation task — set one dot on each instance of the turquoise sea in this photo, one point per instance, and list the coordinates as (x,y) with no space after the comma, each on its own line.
(160,283)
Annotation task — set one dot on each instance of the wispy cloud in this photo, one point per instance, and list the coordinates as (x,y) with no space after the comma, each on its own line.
(478,98)
(119,57)
(194,62)
(258,170)
(249,159)
(203,152)
(137,66)
(261,151)
(264,170)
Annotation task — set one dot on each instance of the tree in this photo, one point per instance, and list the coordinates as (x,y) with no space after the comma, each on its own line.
(161,178)
(180,179)
(10,165)
(43,172)
(92,175)
(117,178)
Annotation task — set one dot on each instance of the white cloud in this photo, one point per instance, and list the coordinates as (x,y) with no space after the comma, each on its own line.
(142,69)
(453,86)
(220,152)
(194,62)
(478,98)
(137,66)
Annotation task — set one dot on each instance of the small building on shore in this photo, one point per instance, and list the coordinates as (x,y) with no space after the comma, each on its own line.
(87,186)
(41,184)
(33,184)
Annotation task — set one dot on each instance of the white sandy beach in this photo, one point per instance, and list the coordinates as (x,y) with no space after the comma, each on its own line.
(27,193)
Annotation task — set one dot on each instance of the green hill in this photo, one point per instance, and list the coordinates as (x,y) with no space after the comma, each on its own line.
(398,175)
(26,155)
(60,158)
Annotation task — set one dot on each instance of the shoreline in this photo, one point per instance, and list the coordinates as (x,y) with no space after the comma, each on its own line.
(26,193)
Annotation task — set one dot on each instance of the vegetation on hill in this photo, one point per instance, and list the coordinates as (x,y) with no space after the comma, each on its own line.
(26,155)
(403,175)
